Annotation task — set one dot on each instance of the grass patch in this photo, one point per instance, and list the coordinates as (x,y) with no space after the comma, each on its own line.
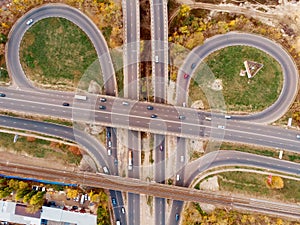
(56,51)
(240,93)
(39,148)
(252,184)
(59,121)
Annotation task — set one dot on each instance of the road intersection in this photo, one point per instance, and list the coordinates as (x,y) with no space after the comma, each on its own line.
(38,102)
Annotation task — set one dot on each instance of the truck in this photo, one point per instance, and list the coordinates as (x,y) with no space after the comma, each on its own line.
(130,161)
(80,97)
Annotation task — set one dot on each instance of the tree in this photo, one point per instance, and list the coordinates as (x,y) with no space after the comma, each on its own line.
(14,184)
(28,196)
(276,182)
(21,193)
(23,185)
(37,199)
(72,193)
(3,38)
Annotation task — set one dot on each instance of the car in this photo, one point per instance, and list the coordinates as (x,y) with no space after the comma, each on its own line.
(221,127)
(108,134)
(102,107)
(123,210)
(65,104)
(161,148)
(114,201)
(176,216)
(86,197)
(227,117)
(109,143)
(105,169)
(109,151)
(208,118)
(156,58)
(181,117)
(102,99)
(30,21)
(185,76)
(182,158)
(150,107)
(184,104)
(116,162)
(153,116)
(193,65)
(177,177)
(125,103)
(74,207)
(298,136)
(2,95)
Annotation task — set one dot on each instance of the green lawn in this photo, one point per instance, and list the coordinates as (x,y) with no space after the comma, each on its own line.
(252,183)
(240,93)
(56,51)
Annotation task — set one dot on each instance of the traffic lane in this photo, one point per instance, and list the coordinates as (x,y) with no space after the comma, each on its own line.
(134,209)
(229,157)
(176,209)
(160,208)
(159,153)
(133,146)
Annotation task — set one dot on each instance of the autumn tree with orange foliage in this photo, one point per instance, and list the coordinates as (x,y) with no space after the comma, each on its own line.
(276,183)
(75,150)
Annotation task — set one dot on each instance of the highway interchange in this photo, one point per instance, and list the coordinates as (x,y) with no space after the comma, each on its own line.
(23,97)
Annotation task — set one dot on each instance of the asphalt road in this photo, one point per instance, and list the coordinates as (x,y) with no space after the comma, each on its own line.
(235,158)
(290,71)
(137,117)
(78,18)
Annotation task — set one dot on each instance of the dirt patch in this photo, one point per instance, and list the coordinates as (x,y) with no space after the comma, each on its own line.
(33,161)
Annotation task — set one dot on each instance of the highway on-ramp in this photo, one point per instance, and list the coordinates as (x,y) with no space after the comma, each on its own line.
(289,68)
(74,15)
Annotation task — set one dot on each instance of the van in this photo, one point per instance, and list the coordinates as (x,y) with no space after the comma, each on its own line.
(105,169)
(177,177)
(182,158)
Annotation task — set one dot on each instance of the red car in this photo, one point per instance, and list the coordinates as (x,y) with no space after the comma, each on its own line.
(186,76)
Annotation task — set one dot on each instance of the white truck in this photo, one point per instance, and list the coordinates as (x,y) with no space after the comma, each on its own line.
(80,97)
(130,161)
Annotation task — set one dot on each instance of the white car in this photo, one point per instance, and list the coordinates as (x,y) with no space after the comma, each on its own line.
(30,21)
(227,117)
(221,127)
(123,210)
(298,136)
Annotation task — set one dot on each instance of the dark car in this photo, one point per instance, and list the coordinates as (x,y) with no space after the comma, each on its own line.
(114,201)
(150,107)
(102,99)
(108,134)
(176,216)
(74,207)
(2,95)
(65,104)
(153,116)
(193,65)
(102,107)
(181,117)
